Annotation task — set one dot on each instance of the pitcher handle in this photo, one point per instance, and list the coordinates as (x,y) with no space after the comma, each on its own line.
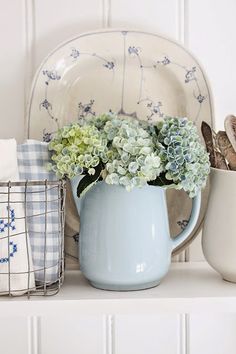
(184,234)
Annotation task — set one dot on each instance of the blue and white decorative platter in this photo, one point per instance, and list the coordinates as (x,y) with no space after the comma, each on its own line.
(132,73)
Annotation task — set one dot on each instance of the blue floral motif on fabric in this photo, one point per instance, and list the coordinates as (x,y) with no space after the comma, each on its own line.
(13,249)
(11,225)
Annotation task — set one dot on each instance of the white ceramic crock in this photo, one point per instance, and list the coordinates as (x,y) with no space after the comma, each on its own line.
(219,230)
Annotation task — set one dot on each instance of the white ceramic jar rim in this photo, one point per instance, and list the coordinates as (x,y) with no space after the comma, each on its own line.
(218,170)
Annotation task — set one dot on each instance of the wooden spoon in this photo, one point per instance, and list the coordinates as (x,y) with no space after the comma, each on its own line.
(230,128)
(220,161)
(226,149)
(208,137)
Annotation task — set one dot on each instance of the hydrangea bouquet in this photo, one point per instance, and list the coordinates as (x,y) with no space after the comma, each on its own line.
(132,153)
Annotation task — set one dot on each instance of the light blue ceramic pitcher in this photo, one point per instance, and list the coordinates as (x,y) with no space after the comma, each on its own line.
(124,239)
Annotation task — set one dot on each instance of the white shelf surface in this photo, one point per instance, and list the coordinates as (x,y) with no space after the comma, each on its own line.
(188,287)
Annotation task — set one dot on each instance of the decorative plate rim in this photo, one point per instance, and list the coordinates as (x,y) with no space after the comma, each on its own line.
(115,30)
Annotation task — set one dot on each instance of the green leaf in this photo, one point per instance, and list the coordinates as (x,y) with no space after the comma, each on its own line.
(89,179)
(160,181)
(157,131)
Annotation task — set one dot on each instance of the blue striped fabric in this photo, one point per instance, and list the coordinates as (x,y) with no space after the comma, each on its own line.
(32,159)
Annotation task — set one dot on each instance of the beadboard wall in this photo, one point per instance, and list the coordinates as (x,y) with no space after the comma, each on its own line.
(29,29)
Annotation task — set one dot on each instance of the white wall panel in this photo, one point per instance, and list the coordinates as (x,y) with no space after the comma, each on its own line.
(151,15)
(14,335)
(12,68)
(147,334)
(59,20)
(211,36)
(212,334)
(29,29)
(72,334)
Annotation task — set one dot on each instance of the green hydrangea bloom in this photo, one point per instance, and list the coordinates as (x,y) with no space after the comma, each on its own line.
(129,152)
(129,143)
(77,148)
(185,159)
(133,158)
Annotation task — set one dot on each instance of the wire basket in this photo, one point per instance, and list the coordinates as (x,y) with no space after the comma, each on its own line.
(31,237)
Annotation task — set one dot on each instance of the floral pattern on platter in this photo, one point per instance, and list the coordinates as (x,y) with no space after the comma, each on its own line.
(51,75)
(182,224)
(47,137)
(75,54)
(189,75)
(155,108)
(86,109)
(76,238)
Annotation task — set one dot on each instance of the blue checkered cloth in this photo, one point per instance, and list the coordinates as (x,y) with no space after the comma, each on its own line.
(33,157)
